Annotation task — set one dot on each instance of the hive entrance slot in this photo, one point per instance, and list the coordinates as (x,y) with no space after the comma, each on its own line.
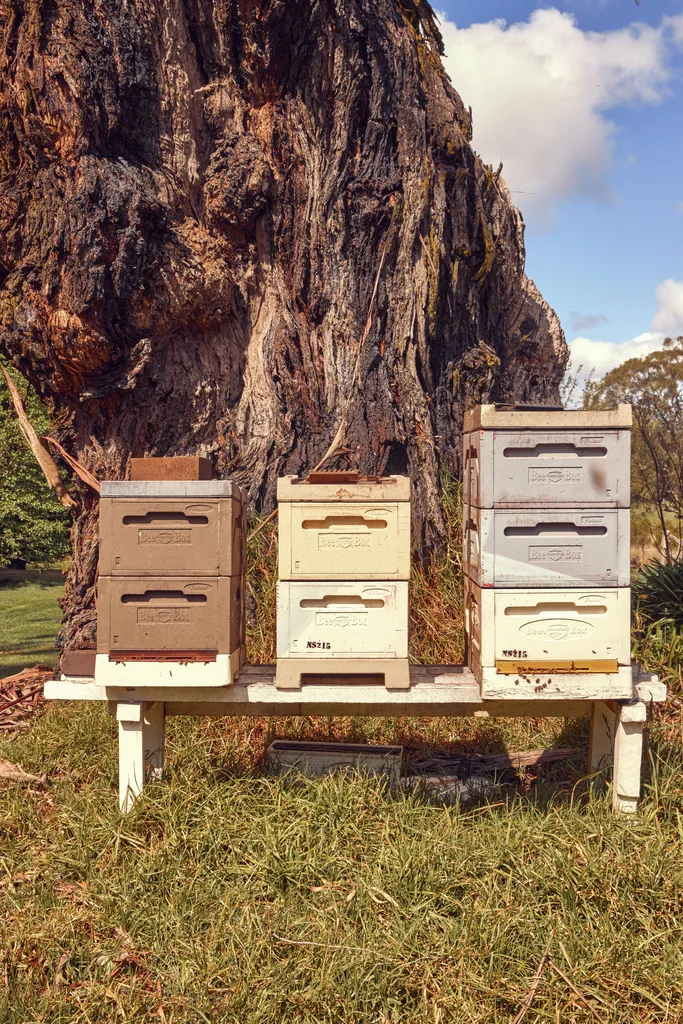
(161,518)
(344,521)
(546,529)
(557,606)
(163,595)
(559,450)
(348,600)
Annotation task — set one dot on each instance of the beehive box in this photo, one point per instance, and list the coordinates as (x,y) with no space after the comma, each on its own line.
(193,528)
(331,540)
(547,459)
(548,631)
(547,548)
(342,620)
(169,614)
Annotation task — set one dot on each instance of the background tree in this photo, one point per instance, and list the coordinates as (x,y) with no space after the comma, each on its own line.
(245,229)
(34,527)
(653,384)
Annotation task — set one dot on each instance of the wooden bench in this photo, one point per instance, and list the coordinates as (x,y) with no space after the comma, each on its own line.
(616,734)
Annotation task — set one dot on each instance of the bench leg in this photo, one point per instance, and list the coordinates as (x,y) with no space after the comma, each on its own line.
(131,753)
(141,748)
(628,757)
(601,744)
(154,735)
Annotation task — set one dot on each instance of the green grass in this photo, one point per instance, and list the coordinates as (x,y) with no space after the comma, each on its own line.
(29,619)
(179,912)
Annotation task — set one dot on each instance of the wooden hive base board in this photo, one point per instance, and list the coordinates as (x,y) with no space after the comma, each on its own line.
(290,672)
(547,685)
(221,670)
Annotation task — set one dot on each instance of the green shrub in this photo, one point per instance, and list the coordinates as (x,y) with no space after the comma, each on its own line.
(33,525)
(658,592)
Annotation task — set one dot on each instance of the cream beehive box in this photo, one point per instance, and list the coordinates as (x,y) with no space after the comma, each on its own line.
(547,547)
(546,631)
(350,529)
(163,528)
(342,620)
(547,458)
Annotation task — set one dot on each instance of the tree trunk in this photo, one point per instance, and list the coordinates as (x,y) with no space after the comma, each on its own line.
(195,198)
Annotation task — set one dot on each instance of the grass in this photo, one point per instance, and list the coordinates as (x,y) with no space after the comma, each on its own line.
(230,896)
(29,618)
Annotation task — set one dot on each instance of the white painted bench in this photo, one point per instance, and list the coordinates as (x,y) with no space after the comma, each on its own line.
(616,734)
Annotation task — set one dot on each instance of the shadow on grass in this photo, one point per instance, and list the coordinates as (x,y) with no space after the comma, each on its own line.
(224,750)
(12,579)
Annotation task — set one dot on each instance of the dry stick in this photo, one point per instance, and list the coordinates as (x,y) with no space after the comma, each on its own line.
(25,673)
(42,456)
(575,990)
(534,984)
(261,525)
(85,474)
(339,436)
(31,693)
(322,945)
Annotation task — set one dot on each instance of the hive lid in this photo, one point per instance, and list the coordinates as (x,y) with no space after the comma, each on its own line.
(551,417)
(173,467)
(343,487)
(171,489)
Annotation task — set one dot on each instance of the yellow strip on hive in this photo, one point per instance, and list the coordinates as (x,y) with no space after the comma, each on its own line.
(530,668)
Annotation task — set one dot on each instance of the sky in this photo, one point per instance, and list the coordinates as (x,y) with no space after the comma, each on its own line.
(582,101)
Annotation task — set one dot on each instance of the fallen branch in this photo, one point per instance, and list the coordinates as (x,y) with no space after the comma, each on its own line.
(13,773)
(42,456)
(26,673)
(80,470)
(526,758)
(534,984)
(25,696)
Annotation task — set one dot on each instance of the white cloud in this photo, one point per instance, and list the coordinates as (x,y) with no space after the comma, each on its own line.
(591,358)
(586,321)
(539,92)
(669,316)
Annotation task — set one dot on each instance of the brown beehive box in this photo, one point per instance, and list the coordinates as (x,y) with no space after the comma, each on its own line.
(176,467)
(158,616)
(172,528)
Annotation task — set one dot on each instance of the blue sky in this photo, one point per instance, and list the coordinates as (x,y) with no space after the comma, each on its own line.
(583,102)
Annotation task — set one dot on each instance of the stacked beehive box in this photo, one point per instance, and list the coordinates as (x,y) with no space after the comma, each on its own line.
(171,583)
(547,539)
(344,566)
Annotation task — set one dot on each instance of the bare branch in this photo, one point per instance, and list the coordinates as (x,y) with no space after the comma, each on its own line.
(42,456)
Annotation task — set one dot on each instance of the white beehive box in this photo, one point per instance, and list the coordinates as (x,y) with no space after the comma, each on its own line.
(342,620)
(547,631)
(541,459)
(547,548)
(340,541)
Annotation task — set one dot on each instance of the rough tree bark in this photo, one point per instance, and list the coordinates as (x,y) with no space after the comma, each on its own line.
(195,197)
